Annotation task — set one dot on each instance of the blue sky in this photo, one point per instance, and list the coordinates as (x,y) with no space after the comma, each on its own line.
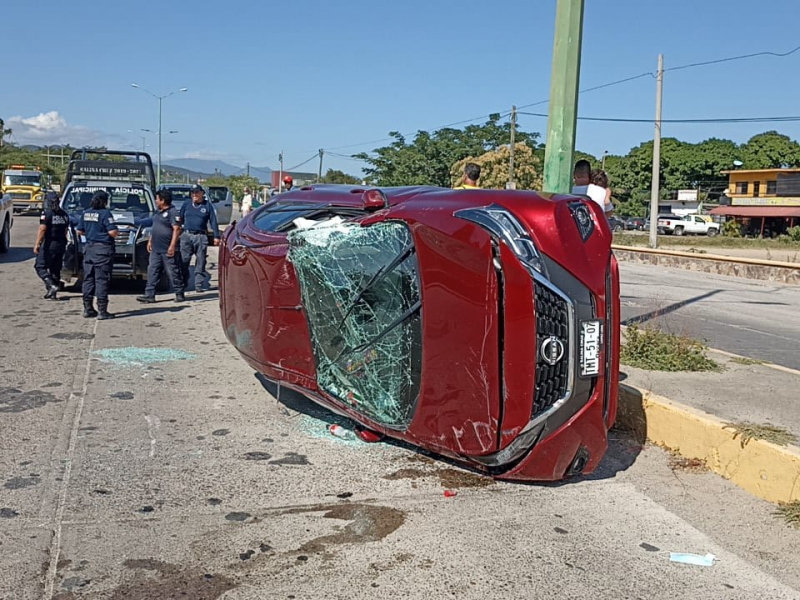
(299,75)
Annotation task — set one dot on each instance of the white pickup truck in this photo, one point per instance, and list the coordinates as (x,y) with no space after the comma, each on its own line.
(6,221)
(693,224)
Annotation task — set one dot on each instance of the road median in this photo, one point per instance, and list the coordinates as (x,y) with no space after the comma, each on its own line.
(766,270)
(766,470)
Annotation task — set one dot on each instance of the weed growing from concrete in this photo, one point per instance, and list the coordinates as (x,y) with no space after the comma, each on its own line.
(747,431)
(789,512)
(741,360)
(655,350)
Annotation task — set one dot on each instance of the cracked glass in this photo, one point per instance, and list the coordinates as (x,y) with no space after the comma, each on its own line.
(360,289)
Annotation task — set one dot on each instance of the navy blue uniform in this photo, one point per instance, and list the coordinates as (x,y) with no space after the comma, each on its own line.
(196,219)
(50,257)
(98,256)
(160,238)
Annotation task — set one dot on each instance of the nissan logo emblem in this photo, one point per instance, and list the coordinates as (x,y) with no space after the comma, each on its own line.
(552,350)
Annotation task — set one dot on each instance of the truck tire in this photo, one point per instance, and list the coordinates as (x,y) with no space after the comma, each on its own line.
(5,237)
(712,231)
(678,230)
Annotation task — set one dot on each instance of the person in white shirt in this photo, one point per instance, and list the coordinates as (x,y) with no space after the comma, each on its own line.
(583,186)
(247,202)
(600,178)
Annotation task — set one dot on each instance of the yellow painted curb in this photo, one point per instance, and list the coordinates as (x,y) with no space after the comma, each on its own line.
(764,469)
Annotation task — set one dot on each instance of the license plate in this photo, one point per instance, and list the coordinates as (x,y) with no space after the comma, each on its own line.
(591,344)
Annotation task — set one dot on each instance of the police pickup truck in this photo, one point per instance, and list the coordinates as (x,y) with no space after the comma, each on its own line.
(129,180)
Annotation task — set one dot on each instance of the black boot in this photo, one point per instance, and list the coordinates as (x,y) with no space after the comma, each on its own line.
(52,289)
(102,311)
(88,308)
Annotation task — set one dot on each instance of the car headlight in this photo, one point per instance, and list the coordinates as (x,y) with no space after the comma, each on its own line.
(504,226)
(144,234)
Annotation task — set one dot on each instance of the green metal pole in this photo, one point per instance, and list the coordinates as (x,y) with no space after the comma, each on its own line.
(563,111)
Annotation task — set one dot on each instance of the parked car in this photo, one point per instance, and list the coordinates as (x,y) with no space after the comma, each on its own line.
(222,199)
(688,224)
(6,221)
(181,192)
(481,325)
(635,223)
(616,224)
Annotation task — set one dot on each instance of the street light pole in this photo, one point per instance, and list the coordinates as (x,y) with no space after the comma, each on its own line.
(160,99)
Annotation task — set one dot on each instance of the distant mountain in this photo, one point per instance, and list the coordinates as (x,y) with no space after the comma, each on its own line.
(207,167)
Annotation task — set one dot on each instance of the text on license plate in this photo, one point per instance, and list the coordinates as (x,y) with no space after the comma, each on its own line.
(591,344)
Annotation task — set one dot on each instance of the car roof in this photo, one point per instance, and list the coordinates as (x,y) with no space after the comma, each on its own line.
(106,183)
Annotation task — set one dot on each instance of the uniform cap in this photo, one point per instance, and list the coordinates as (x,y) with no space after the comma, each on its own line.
(197,188)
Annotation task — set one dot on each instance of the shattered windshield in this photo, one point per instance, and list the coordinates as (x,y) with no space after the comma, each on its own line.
(360,289)
(130,199)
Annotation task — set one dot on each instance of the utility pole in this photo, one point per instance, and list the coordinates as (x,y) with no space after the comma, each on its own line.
(319,173)
(654,191)
(248,169)
(280,173)
(512,185)
(564,82)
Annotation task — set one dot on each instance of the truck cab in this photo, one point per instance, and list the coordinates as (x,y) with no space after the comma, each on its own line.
(688,224)
(24,185)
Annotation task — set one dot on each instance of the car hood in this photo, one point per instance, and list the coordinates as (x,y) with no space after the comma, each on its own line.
(126,217)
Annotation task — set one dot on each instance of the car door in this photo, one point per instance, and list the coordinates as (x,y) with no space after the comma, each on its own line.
(222,199)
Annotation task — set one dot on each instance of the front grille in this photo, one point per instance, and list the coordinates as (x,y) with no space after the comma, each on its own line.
(124,237)
(20,195)
(552,319)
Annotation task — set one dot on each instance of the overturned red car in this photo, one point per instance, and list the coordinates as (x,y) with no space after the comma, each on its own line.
(481,325)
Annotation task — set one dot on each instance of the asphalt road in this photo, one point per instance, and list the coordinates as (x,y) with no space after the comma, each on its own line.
(756,319)
(140,458)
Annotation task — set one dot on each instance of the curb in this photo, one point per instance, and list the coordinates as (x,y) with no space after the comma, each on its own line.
(766,470)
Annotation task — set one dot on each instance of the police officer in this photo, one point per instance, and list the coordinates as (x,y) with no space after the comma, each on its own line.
(97,225)
(51,242)
(196,216)
(164,251)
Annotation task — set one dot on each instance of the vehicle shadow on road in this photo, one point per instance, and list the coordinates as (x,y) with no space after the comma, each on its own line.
(153,310)
(18,254)
(299,403)
(660,312)
(623,445)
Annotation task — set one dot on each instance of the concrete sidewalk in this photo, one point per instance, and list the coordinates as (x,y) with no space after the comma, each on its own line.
(700,415)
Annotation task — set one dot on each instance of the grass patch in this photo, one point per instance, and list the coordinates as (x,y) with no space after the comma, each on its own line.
(630,239)
(655,350)
(747,431)
(789,512)
(747,361)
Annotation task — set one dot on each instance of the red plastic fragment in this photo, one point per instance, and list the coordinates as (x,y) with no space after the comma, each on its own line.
(450,493)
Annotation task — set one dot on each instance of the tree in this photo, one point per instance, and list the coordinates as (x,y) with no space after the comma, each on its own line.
(770,150)
(427,160)
(495,167)
(336,176)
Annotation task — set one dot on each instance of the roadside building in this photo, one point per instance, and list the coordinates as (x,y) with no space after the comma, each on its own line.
(765,202)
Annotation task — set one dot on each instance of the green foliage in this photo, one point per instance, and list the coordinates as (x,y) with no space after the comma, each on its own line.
(495,166)
(427,160)
(770,150)
(732,229)
(655,350)
(340,177)
(793,233)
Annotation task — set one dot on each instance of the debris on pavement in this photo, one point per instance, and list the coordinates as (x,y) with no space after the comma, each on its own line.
(450,493)
(341,432)
(133,356)
(692,559)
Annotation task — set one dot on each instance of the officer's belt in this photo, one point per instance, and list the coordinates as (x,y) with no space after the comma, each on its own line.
(194,231)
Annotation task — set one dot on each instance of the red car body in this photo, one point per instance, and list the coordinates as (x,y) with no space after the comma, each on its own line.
(501,309)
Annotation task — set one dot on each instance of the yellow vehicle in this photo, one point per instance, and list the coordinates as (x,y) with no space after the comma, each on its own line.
(24,184)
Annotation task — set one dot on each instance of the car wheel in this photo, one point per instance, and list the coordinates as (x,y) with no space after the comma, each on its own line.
(712,232)
(617,228)
(678,231)
(5,238)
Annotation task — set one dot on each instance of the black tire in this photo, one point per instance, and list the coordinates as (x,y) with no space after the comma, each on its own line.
(712,231)
(618,228)
(5,237)
(678,231)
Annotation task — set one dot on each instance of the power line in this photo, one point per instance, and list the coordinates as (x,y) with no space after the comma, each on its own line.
(787,119)
(743,56)
(303,163)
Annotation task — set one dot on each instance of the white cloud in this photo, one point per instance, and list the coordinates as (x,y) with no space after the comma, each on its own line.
(51,128)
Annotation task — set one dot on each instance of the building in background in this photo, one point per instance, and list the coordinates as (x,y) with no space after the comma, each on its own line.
(766,202)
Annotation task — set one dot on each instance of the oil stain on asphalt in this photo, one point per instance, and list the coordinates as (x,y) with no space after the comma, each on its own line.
(13,400)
